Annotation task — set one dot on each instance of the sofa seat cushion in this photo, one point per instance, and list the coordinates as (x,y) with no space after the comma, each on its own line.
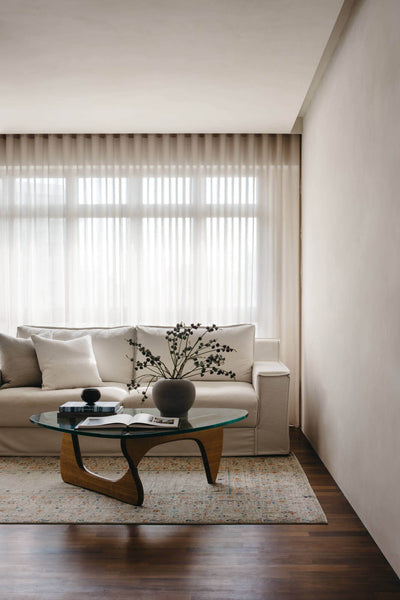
(213,394)
(110,347)
(18,404)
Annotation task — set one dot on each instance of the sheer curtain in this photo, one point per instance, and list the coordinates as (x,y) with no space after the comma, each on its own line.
(117,229)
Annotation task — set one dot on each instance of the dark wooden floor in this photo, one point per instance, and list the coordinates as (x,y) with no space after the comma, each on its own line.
(212,562)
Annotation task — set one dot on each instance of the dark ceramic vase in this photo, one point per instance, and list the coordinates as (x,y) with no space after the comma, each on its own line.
(173,397)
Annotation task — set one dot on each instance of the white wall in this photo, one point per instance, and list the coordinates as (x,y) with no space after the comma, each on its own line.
(351,270)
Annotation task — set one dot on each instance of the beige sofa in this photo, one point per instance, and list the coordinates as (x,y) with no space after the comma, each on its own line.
(261,387)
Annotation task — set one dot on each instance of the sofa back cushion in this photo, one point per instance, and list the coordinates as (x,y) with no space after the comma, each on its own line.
(240,337)
(110,347)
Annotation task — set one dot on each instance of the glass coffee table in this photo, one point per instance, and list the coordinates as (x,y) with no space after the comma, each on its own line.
(204,426)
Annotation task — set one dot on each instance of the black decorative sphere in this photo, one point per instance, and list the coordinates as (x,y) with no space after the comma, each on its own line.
(90,395)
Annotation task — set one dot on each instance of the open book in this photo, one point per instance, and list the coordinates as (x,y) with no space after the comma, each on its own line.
(124,421)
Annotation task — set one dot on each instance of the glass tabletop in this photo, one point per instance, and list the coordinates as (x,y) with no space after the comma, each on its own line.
(198,419)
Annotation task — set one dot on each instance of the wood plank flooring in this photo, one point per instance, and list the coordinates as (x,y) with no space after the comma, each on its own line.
(212,562)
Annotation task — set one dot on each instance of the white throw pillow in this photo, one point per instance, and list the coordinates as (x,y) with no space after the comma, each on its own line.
(66,364)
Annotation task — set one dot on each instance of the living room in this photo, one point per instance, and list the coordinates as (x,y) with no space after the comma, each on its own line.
(301,96)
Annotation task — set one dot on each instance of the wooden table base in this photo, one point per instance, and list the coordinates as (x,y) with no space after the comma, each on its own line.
(129,487)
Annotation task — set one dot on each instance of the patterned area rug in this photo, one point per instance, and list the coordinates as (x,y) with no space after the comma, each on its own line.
(248,490)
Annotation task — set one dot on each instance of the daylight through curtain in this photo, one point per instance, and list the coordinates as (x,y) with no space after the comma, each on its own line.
(152,229)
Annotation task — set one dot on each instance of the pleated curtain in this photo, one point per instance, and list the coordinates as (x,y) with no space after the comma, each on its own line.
(153,229)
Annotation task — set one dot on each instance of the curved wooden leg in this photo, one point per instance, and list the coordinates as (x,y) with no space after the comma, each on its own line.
(209,441)
(210,444)
(128,488)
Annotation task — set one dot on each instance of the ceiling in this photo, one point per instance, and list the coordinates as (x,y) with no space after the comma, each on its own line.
(159,66)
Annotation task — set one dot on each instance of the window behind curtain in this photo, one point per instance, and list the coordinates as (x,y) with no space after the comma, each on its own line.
(110,230)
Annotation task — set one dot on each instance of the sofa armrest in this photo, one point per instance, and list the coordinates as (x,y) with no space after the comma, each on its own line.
(271,382)
(268,368)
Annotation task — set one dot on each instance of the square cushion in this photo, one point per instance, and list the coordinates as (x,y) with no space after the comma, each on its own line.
(239,337)
(18,361)
(66,364)
(110,347)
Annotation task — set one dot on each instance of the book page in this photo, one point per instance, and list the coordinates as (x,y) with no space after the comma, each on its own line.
(123,420)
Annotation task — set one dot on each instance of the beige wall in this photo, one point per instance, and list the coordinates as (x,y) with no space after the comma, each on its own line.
(351,270)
